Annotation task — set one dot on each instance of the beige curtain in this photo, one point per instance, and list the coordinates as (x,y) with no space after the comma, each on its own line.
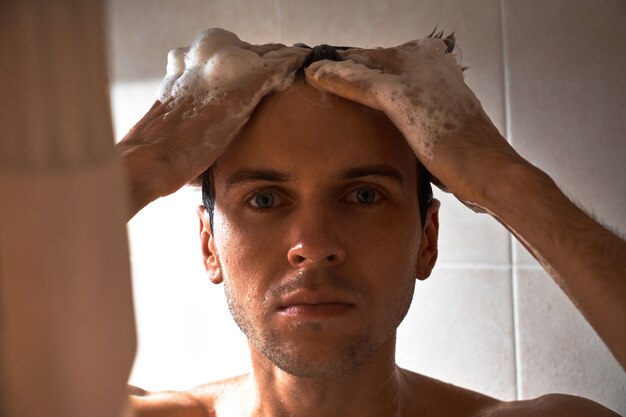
(67,334)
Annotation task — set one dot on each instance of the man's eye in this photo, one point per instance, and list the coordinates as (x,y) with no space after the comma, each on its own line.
(263,200)
(364,195)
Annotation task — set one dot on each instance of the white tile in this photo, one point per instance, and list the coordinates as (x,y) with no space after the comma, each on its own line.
(522,257)
(129,102)
(559,351)
(466,237)
(141,32)
(567,95)
(186,335)
(460,330)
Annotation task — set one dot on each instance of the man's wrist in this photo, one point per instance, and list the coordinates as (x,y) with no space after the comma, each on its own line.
(487,177)
(507,183)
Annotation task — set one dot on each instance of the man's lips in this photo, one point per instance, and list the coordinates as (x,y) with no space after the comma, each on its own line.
(316,310)
(315,304)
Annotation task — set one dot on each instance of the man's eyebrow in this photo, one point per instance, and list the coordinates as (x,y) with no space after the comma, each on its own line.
(248,174)
(382,170)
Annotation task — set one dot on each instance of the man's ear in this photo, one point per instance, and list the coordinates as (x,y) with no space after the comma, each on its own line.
(428,246)
(209,252)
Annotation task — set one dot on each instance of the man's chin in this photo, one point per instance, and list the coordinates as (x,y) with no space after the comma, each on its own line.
(318,356)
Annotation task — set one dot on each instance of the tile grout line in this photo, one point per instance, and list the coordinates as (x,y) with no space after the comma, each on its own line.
(516,334)
(512,257)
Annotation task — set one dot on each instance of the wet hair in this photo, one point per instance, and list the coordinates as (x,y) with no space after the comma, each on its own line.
(318,53)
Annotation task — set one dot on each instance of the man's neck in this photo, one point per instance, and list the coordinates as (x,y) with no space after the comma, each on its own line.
(374,388)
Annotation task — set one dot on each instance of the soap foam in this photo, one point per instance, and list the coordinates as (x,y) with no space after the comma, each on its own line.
(215,63)
(423,92)
(227,77)
(425,97)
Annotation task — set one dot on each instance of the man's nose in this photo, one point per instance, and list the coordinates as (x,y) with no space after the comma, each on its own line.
(316,243)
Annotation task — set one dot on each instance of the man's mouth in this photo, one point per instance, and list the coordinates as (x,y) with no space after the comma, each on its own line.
(318,304)
(321,310)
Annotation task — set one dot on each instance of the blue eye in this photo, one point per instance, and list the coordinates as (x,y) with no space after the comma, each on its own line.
(365,195)
(263,200)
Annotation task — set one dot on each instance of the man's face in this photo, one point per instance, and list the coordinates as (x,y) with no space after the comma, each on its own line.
(316,231)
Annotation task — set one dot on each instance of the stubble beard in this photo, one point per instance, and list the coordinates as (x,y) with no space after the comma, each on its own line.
(300,360)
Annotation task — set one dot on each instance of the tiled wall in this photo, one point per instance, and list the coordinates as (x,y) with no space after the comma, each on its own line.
(550,74)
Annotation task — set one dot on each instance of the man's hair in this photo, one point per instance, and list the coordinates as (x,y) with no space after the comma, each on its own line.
(318,53)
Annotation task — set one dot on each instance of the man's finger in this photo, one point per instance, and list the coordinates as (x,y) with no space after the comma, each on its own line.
(261,50)
(346,79)
(386,60)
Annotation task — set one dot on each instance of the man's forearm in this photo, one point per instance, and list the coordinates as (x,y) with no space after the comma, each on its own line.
(586,260)
(140,182)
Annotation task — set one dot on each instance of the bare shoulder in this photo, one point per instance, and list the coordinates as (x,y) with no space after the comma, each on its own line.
(201,401)
(430,396)
(550,405)
(434,397)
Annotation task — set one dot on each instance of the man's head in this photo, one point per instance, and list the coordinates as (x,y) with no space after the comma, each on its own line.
(316,231)
(318,53)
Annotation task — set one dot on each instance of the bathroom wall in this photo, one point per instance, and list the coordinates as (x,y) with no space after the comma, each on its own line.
(550,74)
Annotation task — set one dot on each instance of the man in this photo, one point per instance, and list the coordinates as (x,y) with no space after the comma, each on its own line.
(312,220)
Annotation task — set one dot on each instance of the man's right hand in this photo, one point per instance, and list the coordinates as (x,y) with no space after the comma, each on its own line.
(190,125)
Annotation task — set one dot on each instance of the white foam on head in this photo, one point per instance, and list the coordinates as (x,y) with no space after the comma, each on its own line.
(422,89)
(215,62)
(222,74)
(423,94)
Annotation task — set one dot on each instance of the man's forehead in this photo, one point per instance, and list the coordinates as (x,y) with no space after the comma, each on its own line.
(301,131)
(382,171)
